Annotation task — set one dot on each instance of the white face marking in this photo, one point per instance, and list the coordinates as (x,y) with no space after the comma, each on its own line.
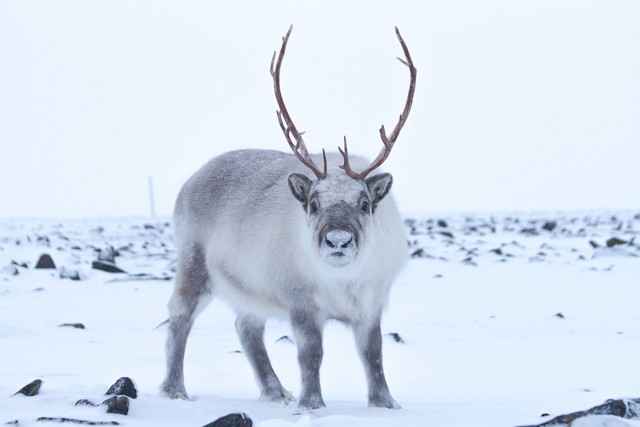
(339,223)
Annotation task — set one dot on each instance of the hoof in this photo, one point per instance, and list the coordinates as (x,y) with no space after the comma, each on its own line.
(280,396)
(309,405)
(384,403)
(174,393)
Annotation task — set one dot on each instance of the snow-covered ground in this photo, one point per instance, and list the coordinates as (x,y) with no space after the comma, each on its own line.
(503,318)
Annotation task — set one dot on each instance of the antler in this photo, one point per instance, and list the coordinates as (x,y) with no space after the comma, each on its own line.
(286,124)
(387,141)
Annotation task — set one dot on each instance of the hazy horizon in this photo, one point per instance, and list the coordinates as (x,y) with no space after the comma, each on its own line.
(519,105)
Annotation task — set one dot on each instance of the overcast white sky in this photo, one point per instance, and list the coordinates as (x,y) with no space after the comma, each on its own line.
(520,105)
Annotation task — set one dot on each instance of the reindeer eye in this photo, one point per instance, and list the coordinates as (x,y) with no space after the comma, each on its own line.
(365,206)
(314,207)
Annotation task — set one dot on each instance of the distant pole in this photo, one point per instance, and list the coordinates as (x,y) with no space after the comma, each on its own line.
(151,201)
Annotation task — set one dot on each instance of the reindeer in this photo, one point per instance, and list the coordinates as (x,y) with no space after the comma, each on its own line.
(252,227)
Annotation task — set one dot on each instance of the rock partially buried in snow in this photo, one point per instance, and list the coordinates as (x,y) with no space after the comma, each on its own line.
(71,325)
(285,338)
(603,421)
(123,387)
(549,225)
(86,402)
(117,405)
(614,241)
(69,274)
(107,266)
(396,337)
(623,408)
(19,264)
(45,262)
(75,421)
(108,254)
(232,420)
(11,270)
(30,389)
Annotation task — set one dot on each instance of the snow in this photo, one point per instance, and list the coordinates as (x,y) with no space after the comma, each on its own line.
(548,324)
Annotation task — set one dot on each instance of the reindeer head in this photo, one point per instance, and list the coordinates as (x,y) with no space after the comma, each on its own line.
(339,205)
(339,211)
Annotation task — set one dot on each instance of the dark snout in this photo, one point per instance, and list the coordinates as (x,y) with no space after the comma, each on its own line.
(338,237)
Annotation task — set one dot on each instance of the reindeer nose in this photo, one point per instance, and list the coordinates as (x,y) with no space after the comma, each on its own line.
(339,239)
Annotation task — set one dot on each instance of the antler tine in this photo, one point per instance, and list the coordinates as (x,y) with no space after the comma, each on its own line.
(412,88)
(284,119)
(345,155)
(388,142)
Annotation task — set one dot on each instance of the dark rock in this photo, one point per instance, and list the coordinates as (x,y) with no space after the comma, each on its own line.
(72,325)
(469,261)
(107,266)
(396,337)
(529,231)
(614,241)
(418,253)
(20,264)
(117,405)
(442,223)
(85,402)
(30,389)
(624,408)
(45,261)
(559,315)
(496,251)
(446,234)
(140,277)
(123,387)
(74,421)
(549,225)
(232,420)
(593,244)
(44,240)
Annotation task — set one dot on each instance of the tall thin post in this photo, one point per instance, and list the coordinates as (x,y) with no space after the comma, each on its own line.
(151,200)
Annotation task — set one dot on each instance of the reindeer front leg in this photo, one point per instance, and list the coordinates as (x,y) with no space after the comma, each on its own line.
(308,332)
(369,342)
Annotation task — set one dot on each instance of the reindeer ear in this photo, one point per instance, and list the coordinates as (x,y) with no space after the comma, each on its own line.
(300,186)
(379,186)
